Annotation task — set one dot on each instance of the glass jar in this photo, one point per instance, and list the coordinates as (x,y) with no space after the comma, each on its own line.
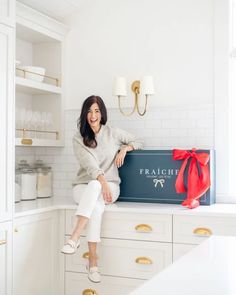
(28,184)
(17,185)
(44,180)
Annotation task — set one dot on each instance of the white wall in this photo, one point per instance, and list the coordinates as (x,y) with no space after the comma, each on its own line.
(171,40)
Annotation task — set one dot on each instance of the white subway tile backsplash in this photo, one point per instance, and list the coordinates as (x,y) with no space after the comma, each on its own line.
(161,128)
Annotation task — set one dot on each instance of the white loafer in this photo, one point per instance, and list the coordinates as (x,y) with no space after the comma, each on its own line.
(70,247)
(93,274)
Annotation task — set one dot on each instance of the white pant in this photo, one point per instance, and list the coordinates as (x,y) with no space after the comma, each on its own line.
(91,205)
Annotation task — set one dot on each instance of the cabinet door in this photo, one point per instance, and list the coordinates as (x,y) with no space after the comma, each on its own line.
(6,258)
(79,284)
(7,12)
(35,254)
(6,121)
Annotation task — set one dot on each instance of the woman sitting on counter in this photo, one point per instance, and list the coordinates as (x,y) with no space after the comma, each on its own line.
(100,151)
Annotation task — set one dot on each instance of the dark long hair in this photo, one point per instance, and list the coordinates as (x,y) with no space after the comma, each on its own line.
(82,123)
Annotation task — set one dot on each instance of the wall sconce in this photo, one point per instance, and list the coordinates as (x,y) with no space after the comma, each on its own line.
(144,86)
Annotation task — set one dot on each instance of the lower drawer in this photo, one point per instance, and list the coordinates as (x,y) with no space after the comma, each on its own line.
(124,258)
(78,284)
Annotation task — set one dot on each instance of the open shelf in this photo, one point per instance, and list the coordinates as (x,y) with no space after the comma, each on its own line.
(34,87)
(39,142)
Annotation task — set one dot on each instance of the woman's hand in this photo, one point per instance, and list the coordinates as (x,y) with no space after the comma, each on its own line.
(106,192)
(119,160)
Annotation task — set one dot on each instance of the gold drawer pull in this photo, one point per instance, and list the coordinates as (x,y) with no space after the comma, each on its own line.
(202,231)
(90,292)
(27,141)
(143,260)
(3,242)
(86,255)
(143,228)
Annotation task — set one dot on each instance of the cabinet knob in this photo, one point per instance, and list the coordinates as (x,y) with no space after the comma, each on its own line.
(90,292)
(86,255)
(143,228)
(143,260)
(202,231)
(16,230)
(3,242)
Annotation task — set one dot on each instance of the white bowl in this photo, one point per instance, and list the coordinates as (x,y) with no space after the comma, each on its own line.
(36,73)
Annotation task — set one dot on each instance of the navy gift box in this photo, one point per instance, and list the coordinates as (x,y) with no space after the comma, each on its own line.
(149,176)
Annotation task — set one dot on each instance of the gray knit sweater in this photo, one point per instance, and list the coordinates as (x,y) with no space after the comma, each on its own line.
(100,160)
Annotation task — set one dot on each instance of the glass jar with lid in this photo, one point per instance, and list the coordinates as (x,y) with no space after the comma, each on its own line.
(28,181)
(44,179)
(17,185)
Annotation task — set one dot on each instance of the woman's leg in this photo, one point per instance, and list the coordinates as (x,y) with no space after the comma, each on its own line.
(87,196)
(92,254)
(94,224)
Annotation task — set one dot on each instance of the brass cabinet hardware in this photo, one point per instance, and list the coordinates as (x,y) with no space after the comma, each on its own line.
(202,231)
(16,230)
(143,260)
(86,255)
(89,292)
(3,242)
(143,228)
(27,141)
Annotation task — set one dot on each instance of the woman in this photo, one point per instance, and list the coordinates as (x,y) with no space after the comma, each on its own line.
(100,151)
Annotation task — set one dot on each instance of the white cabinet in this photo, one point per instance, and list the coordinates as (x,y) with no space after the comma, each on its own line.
(133,247)
(39,96)
(7,12)
(6,121)
(6,258)
(36,254)
(191,230)
(78,284)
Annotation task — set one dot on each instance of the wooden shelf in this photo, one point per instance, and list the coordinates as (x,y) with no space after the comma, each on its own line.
(34,87)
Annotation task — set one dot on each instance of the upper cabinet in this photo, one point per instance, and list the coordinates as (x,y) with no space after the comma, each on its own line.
(39,78)
(7,12)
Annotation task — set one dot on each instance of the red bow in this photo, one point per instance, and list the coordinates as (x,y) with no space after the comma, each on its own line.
(198,181)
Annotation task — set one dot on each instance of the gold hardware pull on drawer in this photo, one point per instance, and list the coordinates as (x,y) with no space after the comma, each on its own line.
(143,260)
(202,231)
(86,255)
(27,141)
(90,292)
(3,242)
(143,228)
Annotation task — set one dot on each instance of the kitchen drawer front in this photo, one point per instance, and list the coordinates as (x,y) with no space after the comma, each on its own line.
(132,226)
(180,250)
(131,259)
(195,229)
(78,284)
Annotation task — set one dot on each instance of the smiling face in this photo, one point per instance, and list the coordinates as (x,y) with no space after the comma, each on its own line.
(94,117)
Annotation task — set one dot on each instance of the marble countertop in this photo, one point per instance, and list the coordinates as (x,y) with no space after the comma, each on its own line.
(25,208)
(208,269)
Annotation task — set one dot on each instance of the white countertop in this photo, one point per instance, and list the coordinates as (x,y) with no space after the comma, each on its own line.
(209,269)
(43,205)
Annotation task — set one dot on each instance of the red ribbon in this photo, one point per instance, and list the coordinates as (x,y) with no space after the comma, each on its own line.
(198,181)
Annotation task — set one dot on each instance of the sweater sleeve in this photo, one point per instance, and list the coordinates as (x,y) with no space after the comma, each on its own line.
(86,159)
(126,138)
